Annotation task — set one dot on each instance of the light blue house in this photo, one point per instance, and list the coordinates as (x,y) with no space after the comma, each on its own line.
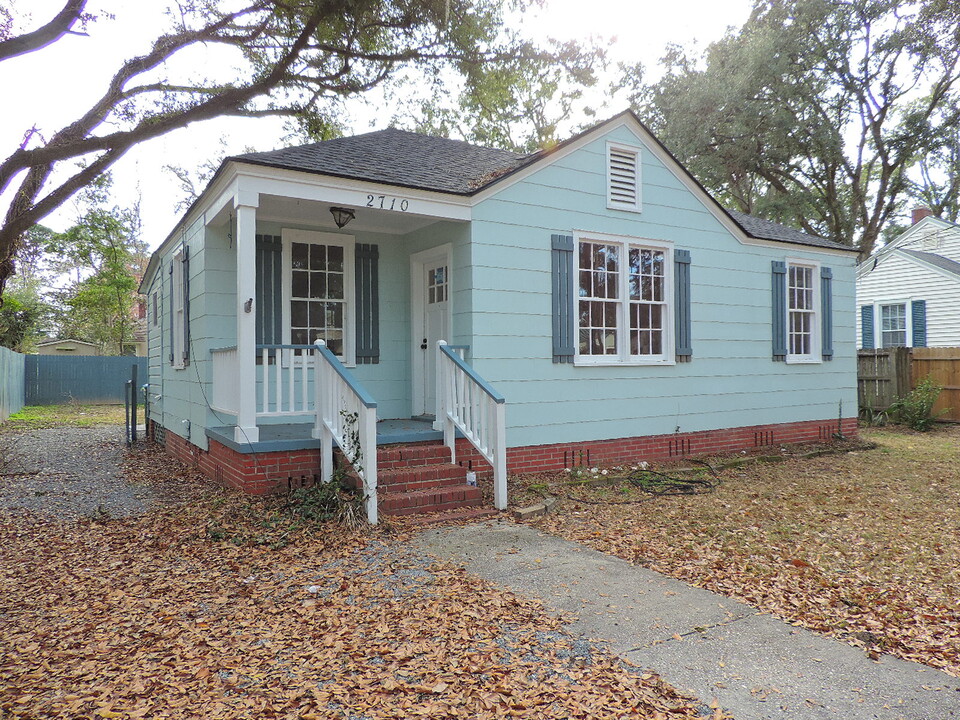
(597,305)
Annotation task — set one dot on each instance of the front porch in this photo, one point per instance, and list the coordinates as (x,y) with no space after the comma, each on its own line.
(300,435)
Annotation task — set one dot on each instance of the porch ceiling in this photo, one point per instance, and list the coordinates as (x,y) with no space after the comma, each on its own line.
(317,214)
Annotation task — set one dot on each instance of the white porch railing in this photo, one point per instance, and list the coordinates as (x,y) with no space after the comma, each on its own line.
(284,381)
(224,396)
(347,415)
(286,375)
(466,402)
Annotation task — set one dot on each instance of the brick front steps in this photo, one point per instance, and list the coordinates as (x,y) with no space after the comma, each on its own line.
(419,478)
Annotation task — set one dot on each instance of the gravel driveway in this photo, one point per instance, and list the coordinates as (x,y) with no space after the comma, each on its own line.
(70,472)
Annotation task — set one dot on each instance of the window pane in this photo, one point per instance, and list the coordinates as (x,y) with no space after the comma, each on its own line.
(318,285)
(298,314)
(300,285)
(586,284)
(318,257)
(335,258)
(584,342)
(298,256)
(335,286)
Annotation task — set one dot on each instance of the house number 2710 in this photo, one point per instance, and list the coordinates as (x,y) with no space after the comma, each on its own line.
(385,202)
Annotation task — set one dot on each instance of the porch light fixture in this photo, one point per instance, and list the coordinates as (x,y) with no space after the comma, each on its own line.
(341,216)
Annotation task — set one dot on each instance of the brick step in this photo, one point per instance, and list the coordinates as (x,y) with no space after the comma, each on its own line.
(450,517)
(434,500)
(411,455)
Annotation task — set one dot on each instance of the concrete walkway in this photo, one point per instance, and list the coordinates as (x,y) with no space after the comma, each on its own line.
(757,667)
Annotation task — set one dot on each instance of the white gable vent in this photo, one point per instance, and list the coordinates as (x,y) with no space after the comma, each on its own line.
(623,177)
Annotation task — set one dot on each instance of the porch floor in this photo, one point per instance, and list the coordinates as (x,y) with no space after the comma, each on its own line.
(298,436)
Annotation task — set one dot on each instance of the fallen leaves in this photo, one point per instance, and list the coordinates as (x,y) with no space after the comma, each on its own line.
(863,546)
(154,618)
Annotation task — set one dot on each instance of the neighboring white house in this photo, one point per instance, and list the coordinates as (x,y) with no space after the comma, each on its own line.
(908,292)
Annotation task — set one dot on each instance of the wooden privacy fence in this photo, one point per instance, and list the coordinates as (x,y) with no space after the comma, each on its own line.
(53,379)
(883,376)
(943,365)
(887,374)
(11,382)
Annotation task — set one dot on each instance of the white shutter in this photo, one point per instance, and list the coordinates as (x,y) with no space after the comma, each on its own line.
(623,177)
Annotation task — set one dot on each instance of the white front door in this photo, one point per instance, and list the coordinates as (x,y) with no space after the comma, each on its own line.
(431,322)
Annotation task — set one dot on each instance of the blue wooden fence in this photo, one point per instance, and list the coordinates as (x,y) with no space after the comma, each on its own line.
(11,382)
(54,379)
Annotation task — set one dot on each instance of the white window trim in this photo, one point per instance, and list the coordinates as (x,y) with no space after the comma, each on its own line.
(177,287)
(878,321)
(347,242)
(816,333)
(613,204)
(668,357)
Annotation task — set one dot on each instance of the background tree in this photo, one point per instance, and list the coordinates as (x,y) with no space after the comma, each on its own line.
(815,112)
(296,58)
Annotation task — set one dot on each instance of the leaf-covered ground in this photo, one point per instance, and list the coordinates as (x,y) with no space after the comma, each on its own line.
(228,608)
(863,545)
(34,417)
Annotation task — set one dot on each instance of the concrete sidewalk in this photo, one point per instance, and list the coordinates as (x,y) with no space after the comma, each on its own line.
(757,667)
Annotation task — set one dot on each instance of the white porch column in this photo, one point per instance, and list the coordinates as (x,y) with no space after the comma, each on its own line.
(246,204)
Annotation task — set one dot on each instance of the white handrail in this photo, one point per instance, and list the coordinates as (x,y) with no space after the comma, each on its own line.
(347,415)
(466,402)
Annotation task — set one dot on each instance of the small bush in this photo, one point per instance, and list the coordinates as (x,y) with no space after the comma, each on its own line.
(324,502)
(915,410)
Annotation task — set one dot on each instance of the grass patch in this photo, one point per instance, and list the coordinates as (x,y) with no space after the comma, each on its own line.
(864,545)
(35,417)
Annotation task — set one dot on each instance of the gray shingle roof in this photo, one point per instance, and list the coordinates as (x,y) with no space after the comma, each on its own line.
(398,157)
(951,266)
(768,230)
(406,159)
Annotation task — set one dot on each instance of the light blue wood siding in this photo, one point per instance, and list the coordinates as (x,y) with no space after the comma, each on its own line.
(732,380)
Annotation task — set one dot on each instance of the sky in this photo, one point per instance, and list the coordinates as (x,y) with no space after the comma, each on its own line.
(54,85)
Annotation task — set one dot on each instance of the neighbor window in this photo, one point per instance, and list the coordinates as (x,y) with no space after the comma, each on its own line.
(318,286)
(802,322)
(178,289)
(893,325)
(622,301)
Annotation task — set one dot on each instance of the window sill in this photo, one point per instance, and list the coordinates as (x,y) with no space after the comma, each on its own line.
(803,360)
(578,362)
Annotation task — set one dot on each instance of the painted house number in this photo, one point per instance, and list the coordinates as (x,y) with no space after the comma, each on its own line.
(385,202)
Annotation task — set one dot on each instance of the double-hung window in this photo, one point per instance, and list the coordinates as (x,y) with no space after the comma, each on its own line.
(318,289)
(893,325)
(623,291)
(803,303)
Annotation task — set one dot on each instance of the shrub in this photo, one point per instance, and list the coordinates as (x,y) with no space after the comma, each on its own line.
(915,410)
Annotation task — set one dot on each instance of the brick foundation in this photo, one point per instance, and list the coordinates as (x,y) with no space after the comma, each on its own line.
(261,473)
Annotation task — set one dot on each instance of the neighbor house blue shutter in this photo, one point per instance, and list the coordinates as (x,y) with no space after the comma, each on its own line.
(172,312)
(561,250)
(269,298)
(918,314)
(681,260)
(779,305)
(186,305)
(826,306)
(368,304)
(866,327)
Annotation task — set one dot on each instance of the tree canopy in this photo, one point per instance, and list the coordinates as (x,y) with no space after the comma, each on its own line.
(828,115)
(296,58)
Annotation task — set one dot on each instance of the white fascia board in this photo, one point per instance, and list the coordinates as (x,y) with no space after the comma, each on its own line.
(650,144)
(358,194)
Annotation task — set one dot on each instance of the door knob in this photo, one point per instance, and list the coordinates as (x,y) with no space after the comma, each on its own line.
(423,344)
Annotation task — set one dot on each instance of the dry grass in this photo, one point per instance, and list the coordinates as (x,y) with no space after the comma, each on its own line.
(863,545)
(35,417)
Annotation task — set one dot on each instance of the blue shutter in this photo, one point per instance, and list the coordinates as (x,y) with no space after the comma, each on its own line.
(368,304)
(779,306)
(918,313)
(269,298)
(826,307)
(186,305)
(170,273)
(561,250)
(681,260)
(866,327)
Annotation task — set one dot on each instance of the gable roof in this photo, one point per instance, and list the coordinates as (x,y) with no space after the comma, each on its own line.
(407,159)
(951,266)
